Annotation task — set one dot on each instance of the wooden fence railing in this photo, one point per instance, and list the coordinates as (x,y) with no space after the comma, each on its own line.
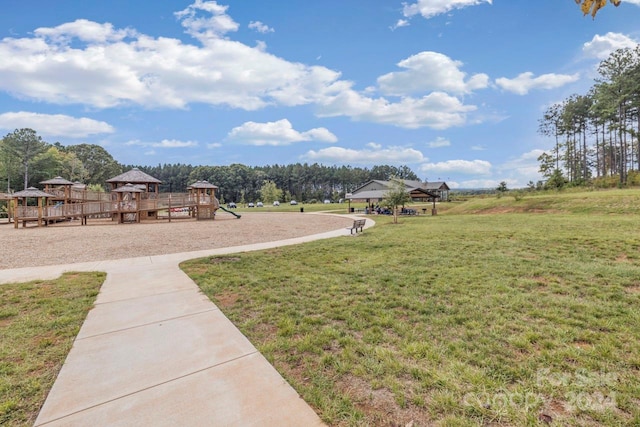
(105,206)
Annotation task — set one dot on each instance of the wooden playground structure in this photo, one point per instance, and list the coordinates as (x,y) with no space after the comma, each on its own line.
(133,197)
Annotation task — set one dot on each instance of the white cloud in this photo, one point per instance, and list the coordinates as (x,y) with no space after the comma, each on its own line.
(374,154)
(436,110)
(516,172)
(54,124)
(478,147)
(260,27)
(399,24)
(84,30)
(100,66)
(439,142)
(161,72)
(431,8)
(165,143)
(430,71)
(522,169)
(600,47)
(479,183)
(466,167)
(525,82)
(280,132)
(209,27)
(174,143)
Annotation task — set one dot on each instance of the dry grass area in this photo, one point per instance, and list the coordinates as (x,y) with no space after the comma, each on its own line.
(67,243)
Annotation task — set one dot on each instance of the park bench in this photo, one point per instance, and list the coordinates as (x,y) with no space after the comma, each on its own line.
(357,224)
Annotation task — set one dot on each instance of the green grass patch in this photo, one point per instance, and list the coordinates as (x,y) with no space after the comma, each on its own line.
(511,319)
(625,201)
(38,322)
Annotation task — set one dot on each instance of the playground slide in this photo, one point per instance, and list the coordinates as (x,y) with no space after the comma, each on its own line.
(231,212)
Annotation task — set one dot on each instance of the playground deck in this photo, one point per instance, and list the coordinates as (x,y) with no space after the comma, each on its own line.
(85,205)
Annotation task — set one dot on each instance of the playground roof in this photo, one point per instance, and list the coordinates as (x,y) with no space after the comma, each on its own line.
(58,180)
(134,176)
(31,192)
(202,184)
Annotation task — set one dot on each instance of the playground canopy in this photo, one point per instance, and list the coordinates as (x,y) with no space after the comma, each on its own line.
(136,177)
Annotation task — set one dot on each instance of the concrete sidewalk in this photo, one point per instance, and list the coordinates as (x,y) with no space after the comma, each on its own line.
(155,351)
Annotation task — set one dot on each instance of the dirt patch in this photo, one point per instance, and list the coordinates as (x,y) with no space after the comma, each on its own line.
(381,405)
(227,299)
(635,289)
(583,344)
(622,258)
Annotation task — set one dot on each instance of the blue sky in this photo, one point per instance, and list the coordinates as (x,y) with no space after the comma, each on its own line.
(453,89)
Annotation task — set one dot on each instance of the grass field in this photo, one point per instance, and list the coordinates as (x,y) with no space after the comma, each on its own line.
(519,310)
(527,314)
(38,322)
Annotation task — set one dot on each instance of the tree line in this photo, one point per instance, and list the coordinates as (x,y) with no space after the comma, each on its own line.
(26,160)
(597,134)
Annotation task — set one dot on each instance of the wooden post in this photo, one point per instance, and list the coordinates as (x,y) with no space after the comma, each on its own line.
(138,199)
(39,211)
(119,205)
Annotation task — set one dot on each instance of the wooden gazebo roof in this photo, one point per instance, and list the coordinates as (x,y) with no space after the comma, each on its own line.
(58,180)
(202,184)
(30,192)
(134,176)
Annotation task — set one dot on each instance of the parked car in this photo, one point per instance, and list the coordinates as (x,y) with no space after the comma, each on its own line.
(231,205)
(276,203)
(327,201)
(250,205)
(293,202)
(259,204)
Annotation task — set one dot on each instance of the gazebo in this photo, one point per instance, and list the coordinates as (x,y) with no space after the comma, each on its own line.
(23,212)
(136,177)
(148,185)
(376,191)
(204,194)
(59,187)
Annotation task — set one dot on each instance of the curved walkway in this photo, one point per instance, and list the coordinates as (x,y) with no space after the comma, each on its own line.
(156,351)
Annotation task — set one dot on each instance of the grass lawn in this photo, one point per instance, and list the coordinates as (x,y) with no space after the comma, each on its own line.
(458,319)
(38,322)
(500,311)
